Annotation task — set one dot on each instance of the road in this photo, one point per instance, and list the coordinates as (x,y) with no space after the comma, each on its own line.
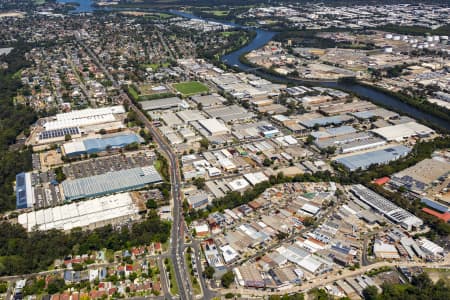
(330,278)
(177,233)
(289,239)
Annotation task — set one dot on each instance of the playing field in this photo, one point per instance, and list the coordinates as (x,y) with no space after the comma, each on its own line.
(190,88)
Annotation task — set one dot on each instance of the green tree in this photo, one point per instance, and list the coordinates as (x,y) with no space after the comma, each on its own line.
(370,293)
(209,272)
(227,279)
(56,285)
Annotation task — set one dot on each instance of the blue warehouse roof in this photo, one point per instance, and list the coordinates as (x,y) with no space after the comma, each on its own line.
(21,191)
(119,141)
(367,159)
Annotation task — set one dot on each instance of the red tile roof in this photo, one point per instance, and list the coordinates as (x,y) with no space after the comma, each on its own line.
(381,181)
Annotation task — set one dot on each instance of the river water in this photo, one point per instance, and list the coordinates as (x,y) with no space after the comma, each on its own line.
(264,36)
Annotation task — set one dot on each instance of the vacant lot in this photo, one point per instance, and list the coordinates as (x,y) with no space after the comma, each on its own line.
(190,88)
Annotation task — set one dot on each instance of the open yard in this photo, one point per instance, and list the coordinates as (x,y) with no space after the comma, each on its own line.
(190,88)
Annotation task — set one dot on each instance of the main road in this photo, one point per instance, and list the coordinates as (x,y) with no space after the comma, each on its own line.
(177,233)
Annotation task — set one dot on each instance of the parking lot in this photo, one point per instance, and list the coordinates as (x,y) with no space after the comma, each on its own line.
(104,165)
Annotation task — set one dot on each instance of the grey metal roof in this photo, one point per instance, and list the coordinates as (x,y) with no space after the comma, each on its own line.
(110,182)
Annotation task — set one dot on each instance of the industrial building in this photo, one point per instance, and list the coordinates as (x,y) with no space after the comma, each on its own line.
(90,112)
(378,157)
(198,201)
(387,208)
(96,145)
(166,103)
(58,135)
(109,183)
(84,117)
(230,113)
(208,100)
(325,121)
(403,131)
(24,191)
(255,178)
(91,213)
(214,127)
(419,177)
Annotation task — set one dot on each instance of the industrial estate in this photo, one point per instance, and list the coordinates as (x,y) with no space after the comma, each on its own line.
(184,151)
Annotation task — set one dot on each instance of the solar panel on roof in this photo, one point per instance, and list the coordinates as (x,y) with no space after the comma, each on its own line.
(54,133)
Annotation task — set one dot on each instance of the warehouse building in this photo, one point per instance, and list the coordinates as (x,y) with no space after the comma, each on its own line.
(198,201)
(377,157)
(214,127)
(403,131)
(96,145)
(58,135)
(24,191)
(109,183)
(255,178)
(90,112)
(85,214)
(166,103)
(419,177)
(387,208)
(325,121)
(85,117)
(229,113)
(208,100)
(81,122)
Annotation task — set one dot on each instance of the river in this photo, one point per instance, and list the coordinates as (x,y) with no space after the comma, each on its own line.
(264,36)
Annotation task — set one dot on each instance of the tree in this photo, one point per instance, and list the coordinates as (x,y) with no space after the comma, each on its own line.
(56,285)
(267,162)
(67,137)
(209,272)
(309,140)
(204,143)
(370,293)
(199,182)
(227,279)
(151,204)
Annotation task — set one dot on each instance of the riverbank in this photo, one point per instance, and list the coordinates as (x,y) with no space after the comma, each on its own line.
(431,108)
(279,78)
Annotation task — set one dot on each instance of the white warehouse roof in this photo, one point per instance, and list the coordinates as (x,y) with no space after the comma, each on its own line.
(214,126)
(255,178)
(402,131)
(80,214)
(90,112)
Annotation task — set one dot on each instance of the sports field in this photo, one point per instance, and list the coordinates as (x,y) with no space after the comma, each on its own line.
(190,88)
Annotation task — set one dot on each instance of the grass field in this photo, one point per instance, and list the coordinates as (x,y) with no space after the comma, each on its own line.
(220,13)
(190,88)
(133,93)
(155,67)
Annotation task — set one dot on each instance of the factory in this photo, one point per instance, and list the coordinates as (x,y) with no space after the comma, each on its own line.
(85,214)
(24,191)
(378,157)
(109,183)
(419,177)
(230,113)
(214,127)
(99,144)
(404,131)
(387,208)
(166,103)
(85,117)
